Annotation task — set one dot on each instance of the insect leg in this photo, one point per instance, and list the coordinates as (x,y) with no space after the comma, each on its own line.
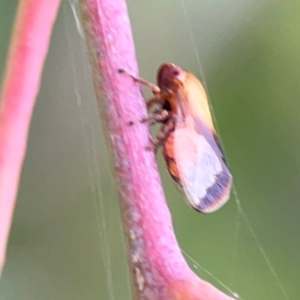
(158,116)
(156,100)
(155,89)
(165,132)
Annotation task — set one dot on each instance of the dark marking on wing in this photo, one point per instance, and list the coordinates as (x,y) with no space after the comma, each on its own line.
(216,138)
(219,192)
(214,197)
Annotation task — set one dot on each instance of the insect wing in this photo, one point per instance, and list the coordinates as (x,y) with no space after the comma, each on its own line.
(202,170)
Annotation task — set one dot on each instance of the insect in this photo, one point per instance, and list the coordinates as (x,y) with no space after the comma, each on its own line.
(190,145)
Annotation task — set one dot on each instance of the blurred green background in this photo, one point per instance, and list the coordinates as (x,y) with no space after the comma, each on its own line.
(66,240)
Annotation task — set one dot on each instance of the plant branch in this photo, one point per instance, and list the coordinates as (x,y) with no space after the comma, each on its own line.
(158,269)
(28,49)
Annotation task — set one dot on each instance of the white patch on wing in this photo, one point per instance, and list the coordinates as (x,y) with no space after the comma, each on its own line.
(197,162)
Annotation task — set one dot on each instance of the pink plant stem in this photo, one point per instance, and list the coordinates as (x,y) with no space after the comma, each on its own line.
(158,269)
(28,49)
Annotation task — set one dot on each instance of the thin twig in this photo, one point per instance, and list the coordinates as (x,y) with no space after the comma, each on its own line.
(28,49)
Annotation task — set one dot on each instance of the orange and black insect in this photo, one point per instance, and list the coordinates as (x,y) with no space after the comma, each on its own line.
(191,148)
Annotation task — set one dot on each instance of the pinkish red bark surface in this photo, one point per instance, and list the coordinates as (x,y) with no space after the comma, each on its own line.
(28,49)
(157,266)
